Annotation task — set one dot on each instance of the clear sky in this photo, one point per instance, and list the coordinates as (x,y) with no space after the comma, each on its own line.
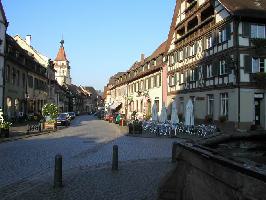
(102,37)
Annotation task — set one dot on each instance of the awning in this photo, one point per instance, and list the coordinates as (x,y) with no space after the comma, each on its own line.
(115,105)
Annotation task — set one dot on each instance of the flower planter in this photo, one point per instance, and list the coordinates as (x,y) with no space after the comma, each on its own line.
(50,126)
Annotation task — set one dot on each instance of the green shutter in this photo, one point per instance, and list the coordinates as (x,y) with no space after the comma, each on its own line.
(196,73)
(247,64)
(246,29)
(204,71)
(228,31)
(214,38)
(216,68)
(228,64)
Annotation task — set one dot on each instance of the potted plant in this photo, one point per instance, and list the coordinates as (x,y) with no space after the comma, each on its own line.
(5,128)
(50,112)
(222,119)
(208,119)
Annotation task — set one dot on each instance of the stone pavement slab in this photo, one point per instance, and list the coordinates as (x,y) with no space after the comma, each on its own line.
(135,180)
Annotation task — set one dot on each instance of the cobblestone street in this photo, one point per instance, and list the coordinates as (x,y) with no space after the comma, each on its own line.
(86,144)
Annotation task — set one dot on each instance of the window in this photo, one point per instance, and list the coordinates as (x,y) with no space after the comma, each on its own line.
(155,81)
(137,106)
(258,65)
(17,105)
(222,35)
(23,80)
(18,77)
(257,31)
(208,42)
(210,104)
(160,80)
(181,104)
(224,104)
(13,78)
(8,73)
(181,55)
(157,105)
(141,106)
(222,67)
(209,71)
(30,81)
(149,83)
(192,75)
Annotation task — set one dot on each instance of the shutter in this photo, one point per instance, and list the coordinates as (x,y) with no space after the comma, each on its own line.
(196,48)
(185,77)
(204,71)
(214,38)
(246,29)
(203,41)
(175,79)
(216,68)
(248,64)
(228,31)
(228,64)
(180,78)
(196,73)
(184,53)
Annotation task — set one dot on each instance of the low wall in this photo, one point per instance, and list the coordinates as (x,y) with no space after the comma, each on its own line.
(201,174)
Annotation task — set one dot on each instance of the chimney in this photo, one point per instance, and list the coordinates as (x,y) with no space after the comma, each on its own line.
(142,57)
(28,40)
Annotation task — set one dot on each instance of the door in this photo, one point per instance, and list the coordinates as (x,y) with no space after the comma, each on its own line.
(257,111)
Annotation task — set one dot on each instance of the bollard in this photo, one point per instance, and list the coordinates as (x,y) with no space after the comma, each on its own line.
(174,147)
(115,158)
(58,172)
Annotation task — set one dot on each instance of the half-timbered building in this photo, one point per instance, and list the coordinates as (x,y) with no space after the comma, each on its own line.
(216,57)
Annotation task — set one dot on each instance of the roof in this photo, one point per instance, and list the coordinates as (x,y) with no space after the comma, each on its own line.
(246,8)
(61,55)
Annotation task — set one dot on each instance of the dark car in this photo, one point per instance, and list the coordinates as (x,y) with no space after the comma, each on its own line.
(63,119)
(72,115)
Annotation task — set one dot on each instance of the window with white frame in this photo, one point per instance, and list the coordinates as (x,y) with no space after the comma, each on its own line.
(210,104)
(257,31)
(192,50)
(182,78)
(192,75)
(222,67)
(171,80)
(181,55)
(209,71)
(222,35)
(208,42)
(224,104)
(258,65)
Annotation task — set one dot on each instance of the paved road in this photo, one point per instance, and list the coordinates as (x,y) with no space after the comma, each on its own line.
(88,142)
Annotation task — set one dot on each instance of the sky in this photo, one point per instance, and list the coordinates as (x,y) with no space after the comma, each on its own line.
(102,37)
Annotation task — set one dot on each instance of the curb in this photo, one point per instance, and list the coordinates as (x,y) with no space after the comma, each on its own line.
(11,139)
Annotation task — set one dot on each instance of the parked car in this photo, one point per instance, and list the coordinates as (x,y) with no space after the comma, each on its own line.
(63,119)
(72,115)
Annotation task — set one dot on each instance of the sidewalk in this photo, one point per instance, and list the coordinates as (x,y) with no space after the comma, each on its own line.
(19,131)
(134,180)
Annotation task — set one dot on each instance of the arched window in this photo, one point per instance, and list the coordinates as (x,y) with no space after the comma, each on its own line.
(16,105)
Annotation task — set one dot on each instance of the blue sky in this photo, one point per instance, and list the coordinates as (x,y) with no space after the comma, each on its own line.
(102,37)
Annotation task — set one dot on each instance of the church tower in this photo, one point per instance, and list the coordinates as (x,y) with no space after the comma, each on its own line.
(62,67)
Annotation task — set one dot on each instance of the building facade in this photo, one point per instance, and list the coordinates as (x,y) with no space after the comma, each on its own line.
(3,27)
(25,82)
(215,53)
